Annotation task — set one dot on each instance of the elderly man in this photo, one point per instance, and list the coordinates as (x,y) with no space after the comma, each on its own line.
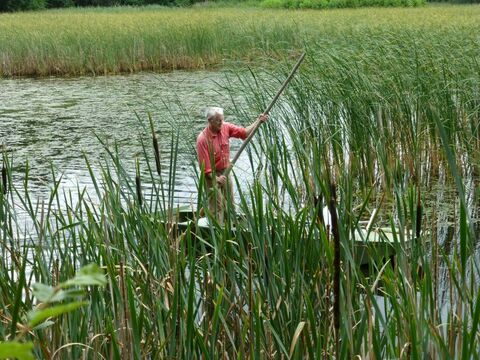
(213,150)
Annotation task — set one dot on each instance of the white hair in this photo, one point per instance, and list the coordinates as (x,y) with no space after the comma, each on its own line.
(212,111)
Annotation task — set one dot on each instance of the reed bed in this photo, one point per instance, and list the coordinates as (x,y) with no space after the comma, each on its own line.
(105,41)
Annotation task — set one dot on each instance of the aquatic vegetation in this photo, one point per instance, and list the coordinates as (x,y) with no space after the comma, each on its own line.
(384,130)
(53,301)
(266,286)
(105,41)
(374,121)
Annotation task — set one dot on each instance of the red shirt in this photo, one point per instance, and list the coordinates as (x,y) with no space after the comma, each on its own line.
(219,143)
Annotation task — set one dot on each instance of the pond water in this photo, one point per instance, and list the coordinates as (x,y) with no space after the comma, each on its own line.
(54,121)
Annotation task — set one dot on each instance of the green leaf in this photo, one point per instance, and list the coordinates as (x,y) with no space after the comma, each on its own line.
(87,276)
(296,335)
(44,325)
(48,294)
(67,294)
(37,316)
(20,351)
(43,292)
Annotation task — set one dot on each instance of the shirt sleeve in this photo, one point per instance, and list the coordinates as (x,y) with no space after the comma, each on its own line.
(203,155)
(236,131)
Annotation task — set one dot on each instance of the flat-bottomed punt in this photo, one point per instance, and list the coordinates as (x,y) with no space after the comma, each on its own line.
(369,245)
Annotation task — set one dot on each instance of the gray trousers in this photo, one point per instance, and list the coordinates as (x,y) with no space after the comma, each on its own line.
(219,197)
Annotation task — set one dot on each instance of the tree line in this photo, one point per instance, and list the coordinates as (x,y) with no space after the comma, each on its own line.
(20,5)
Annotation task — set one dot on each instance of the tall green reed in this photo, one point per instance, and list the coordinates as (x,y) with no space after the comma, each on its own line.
(92,41)
(382,136)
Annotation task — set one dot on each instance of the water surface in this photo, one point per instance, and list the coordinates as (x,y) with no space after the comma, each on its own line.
(52,122)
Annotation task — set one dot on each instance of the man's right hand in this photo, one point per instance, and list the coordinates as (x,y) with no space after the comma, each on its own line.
(263,117)
(221,180)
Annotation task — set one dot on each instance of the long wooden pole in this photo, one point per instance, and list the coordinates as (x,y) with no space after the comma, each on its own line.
(267,110)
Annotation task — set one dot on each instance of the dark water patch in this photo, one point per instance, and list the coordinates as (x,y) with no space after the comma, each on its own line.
(65,105)
(10,111)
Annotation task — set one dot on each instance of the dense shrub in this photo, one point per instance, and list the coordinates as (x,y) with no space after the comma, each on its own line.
(17,5)
(60,3)
(328,4)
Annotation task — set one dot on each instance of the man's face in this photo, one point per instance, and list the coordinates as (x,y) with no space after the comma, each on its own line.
(216,123)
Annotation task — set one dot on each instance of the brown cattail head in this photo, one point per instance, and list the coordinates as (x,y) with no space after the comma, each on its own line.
(317,202)
(157,154)
(138,183)
(4,179)
(418,225)
(156,148)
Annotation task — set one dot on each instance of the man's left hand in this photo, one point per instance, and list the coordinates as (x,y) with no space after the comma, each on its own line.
(262,118)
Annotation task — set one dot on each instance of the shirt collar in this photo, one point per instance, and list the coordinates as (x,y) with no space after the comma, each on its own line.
(210,134)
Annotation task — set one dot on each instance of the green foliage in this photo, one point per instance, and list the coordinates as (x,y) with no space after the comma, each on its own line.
(127,39)
(331,4)
(16,350)
(456,1)
(22,5)
(273,4)
(60,3)
(311,4)
(38,316)
(54,301)
(90,275)
(183,3)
